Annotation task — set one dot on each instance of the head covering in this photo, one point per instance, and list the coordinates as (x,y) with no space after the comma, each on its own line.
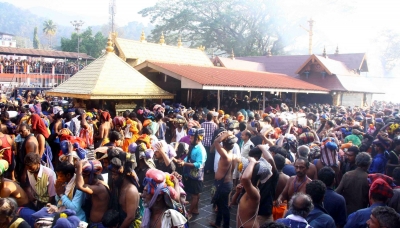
(58,110)
(306,138)
(146,155)
(381,187)
(221,112)
(168,149)
(92,168)
(145,139)
(106,115)
(374,176)
(355,139)
(132,147)
(3,166)
(264,172)
(119,120)
(155,181)
(39,126)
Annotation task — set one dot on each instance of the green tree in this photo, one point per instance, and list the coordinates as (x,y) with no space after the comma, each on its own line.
(50,29)
(89,44)
(36,42)
(247,27)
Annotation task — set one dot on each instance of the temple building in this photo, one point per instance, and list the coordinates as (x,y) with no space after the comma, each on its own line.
(341,74)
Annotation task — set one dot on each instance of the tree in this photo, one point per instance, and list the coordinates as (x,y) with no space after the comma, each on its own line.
(89,44)
(389,44)
(247,27)
(36,42)
(50,29)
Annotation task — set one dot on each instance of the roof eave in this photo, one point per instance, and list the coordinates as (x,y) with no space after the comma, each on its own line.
(245,88)
(108,96)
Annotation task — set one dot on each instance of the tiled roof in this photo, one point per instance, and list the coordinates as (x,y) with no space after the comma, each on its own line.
(109,77)
(239,64)
(132,49)
(330,82)
(231,78)
(289,64)
(43,53)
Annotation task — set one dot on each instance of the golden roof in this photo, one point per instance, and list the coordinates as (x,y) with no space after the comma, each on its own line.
(109,77)
(135,50)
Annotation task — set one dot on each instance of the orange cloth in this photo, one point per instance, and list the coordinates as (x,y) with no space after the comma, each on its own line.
(240,118)
(146,139)
(87,135)
(279,212)
(135,134)
(146,122)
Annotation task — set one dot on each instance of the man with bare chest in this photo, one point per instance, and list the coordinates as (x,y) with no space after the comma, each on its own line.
(9,188)
(125,187)
(223,177)
(296,183)
(87,181)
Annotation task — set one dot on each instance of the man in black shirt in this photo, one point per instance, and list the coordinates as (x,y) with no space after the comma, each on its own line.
(350,159)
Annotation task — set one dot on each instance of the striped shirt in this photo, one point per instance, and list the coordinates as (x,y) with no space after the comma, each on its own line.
(209,128)
(44,186)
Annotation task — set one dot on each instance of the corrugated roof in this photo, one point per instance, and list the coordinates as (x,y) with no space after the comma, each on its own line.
(331,66)
(132,49)
(239,64)
(223,77)
(109,77)
(358,84)
(43,53)
(288,64)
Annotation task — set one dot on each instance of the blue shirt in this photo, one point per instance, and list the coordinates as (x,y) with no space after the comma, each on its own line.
(75,204)
(289,170)
(199,156)
(297,222)
(360,217)
(335,205)
(320,218)
(378,164)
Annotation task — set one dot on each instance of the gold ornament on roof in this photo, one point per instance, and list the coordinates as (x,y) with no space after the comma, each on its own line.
(324,52)
(162,40)
(142,37)
(337,50)
(201,48)
(109,47)
(179,41)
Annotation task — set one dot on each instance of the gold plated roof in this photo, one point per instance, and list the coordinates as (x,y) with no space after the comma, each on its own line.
(109,77)
(139,51)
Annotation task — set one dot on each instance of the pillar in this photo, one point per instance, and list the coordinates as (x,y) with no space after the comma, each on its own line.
(295,99)
(218,99)
(263,101)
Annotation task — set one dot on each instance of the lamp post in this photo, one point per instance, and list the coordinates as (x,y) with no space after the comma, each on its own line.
(77,25)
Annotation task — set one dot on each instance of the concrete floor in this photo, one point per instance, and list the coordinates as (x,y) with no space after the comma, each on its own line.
(206,211)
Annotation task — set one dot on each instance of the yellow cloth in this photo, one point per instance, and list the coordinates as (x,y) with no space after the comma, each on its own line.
(41,188)
(105,141)
(135,134)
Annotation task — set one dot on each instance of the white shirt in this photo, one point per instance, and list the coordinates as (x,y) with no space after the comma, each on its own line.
(246,148)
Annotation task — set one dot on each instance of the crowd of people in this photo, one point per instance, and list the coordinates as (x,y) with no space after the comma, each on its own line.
(307,166)
(20,66)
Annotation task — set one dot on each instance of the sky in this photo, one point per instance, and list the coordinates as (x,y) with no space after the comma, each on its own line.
(354,31)
(94,9)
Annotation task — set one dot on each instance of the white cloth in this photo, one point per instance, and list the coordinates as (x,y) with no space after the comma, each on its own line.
(246,147)
(265,128)
(70,186)
(173,218)
(179,135)
(297,219)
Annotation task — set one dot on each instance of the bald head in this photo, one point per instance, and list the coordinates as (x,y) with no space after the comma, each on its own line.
(301,204)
